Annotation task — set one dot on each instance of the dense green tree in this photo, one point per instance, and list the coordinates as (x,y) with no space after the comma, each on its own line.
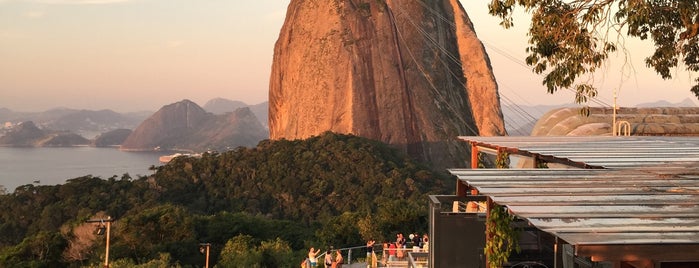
(42,249)
(240,251)
(244,251)
(163,261)
(284,195)
(154,230)
(571,38)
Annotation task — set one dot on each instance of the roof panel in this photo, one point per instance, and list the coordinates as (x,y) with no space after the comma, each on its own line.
(621,151)
(631,238)
(648,192)
(619,225)
(672,199)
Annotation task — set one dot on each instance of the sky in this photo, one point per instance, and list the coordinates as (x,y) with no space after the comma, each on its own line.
(136,55)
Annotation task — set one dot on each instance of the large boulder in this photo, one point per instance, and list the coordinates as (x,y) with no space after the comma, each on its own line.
(409,73)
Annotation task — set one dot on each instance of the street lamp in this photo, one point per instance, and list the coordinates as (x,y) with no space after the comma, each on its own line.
(204,249)
(104,226)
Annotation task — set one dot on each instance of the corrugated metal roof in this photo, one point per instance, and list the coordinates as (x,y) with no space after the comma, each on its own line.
(602,151)
(647,194)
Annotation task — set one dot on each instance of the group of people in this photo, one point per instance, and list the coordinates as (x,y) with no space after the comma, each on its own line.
(329,261)
(397,250)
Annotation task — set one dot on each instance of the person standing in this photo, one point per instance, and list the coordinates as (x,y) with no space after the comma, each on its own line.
(416,241)
(312,253)
(425,243)
(392,251)
(338,260)
(369,251)
(400,240)
(329,258)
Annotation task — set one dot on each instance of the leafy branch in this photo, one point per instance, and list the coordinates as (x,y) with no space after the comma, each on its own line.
(502,237)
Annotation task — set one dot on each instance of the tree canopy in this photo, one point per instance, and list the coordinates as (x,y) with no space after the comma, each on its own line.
(571,38)
(271,203)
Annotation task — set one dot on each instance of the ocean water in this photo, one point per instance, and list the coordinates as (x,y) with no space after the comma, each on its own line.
(51,166)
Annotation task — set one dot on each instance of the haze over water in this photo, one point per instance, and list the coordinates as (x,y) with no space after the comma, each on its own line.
(51,166)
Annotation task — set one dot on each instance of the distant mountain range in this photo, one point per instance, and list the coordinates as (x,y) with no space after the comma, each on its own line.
(85,123)
(220,124)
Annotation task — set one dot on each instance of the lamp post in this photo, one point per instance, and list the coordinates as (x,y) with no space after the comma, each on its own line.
(204,249)
(105,225)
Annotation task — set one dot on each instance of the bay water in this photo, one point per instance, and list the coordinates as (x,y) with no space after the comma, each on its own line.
(51,166)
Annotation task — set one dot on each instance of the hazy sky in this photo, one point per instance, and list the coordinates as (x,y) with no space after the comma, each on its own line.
(130,55)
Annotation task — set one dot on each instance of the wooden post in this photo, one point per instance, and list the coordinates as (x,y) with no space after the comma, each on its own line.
(204,249)
(474,155)
(106,254)
(206,265)
(108,224)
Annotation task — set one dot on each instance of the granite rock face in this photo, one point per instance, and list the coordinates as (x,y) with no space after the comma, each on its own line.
(409,73)
(647,121)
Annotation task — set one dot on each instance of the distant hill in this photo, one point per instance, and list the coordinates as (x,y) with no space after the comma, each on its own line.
(188,127)
(222,106)
(86,123)
(112,138)
(261,111)
(684,103)
(27,134)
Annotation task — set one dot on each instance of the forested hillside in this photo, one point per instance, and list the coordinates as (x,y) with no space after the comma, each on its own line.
(263,205)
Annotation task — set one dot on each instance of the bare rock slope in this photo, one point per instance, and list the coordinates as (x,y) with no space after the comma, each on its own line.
(409,73)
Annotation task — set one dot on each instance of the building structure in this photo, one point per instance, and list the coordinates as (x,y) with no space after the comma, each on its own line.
(601,201)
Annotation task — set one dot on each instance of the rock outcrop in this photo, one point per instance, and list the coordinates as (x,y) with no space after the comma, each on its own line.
(659,121)
(186,126)
(409,73)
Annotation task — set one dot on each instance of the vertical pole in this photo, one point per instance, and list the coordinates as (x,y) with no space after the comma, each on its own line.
(555,253)
(106,254)
(207,256)
(614,130)
(474,155)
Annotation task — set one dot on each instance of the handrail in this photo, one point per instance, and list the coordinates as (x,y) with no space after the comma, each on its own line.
(412,263)
(409,251)
(349,252)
